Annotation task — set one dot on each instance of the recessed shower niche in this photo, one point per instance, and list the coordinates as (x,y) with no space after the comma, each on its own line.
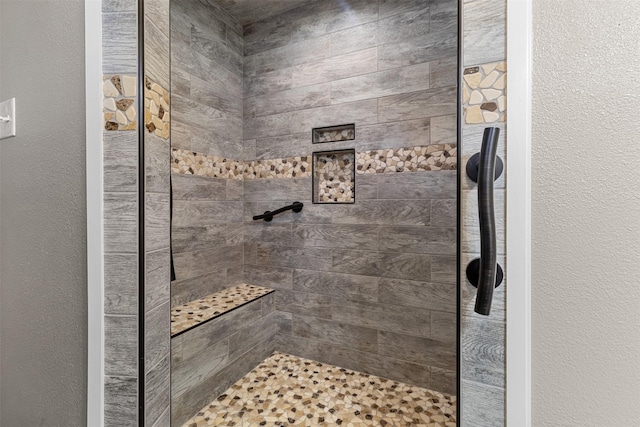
(334,176)
(351,287)
(334,133)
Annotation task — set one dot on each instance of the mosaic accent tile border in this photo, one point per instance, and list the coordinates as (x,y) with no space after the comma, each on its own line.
(288,390)
(193,313)
(119,102)
(191,163)
(484,95)
(411,159)
(157,109)
(290,167)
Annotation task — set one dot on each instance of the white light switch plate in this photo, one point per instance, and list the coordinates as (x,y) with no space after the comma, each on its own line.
(8,118)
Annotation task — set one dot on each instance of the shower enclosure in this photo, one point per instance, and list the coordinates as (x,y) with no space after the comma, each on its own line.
(304,218)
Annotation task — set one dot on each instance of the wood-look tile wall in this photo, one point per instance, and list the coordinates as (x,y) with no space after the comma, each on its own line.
(369,286)
(123,202)
(482,358)
(391,69)
(206,79)
(157,342)
(120,172)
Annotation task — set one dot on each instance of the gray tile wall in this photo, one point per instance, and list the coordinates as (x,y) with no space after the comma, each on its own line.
(482,357)
(207,360)
(206,235)
(377,66)
(157,228)
(206,83)
(206,79)
(369,286)
(120,180)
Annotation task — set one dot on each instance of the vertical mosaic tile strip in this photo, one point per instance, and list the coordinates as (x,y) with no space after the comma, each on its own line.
(334,177)
(484,93)
(156,109)
(191,163)
(288,390)
(413,159)
(119,102)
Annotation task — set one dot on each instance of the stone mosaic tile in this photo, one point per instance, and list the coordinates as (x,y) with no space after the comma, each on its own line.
(334,179)
(291,167)
(287,390)
(191,163)
(119,102)
(413,159)
(157,109)
(484,93)
(336,133)
(191,314)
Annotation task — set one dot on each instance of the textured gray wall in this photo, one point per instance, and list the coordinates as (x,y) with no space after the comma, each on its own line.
(586,214)
(42,219)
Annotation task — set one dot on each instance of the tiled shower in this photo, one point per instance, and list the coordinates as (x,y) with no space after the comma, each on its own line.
(350,108)
(368,285)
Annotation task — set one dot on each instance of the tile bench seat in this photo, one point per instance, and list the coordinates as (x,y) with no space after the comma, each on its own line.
(187,316)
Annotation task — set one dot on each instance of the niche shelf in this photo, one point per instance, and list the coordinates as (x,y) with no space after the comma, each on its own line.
(334,133)
(334,175)
(197,312)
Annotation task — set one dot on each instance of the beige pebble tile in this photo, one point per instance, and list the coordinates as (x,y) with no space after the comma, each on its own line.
(109,90)
(109,104)
(121,118)
(289,390)
(502,103)
(473,80)
(489,80)
(129,86)
(476,98)
(491,94)
(490,116)
(474,115)
(131,113)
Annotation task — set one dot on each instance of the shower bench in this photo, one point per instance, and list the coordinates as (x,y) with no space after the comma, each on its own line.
(215,341)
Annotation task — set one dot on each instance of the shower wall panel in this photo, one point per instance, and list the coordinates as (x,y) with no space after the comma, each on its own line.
(482,354)
(206,80)
(157,131)
(120,180)
(369,286)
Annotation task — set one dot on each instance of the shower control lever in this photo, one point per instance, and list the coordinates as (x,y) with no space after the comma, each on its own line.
(485,273)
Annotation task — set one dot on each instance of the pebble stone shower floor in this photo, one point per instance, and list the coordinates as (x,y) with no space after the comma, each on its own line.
(286,390)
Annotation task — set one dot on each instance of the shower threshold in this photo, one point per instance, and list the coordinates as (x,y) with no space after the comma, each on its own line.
(286,390)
